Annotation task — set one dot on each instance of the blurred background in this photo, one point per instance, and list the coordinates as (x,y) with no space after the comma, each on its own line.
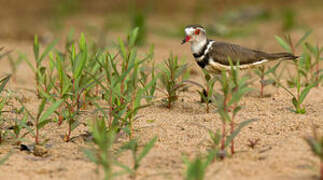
(22,19)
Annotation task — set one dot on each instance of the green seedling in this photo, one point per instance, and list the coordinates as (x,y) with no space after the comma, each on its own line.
(171,79)
(262,72)
(196,169)
(207,91)
(43,116)
(301,92)
(39,69)
(101,153)
(233,89)
(316,144)
(137,156)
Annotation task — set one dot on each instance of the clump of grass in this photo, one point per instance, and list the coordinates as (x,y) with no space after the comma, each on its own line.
(316,144)
(302,89)
(125,87)
(233,89)
(171,78)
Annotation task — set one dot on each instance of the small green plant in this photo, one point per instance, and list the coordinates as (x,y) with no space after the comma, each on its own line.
(233,89)
(39,69)
(196,169)
(171,78)
(316,144)
(43,116)
(101,153)
(207,91)
(137,156)
(301,92)
(262,72)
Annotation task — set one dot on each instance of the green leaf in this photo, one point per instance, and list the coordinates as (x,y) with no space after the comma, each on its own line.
(50,111)
(303,38)
(316,148)
(3,82)
(237,130)
(46,51)
(146,149)
(305,92)
(36,48)
(283,44)
(295,103)
(92,156)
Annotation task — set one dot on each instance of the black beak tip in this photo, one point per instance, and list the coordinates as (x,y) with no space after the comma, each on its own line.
(183,41)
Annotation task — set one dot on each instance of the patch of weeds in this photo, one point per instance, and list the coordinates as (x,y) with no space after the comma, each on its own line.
(196,169)
(233,89)
(125,87)
(171,79)
(316,144)
(302,89)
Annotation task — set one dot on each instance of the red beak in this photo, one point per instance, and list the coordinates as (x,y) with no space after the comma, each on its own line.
(187,38)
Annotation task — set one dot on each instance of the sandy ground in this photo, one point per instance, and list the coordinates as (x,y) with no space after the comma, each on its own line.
(281,153)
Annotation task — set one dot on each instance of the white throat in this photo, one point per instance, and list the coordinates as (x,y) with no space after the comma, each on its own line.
(197,46)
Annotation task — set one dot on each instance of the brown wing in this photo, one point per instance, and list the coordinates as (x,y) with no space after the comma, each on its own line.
(221,51)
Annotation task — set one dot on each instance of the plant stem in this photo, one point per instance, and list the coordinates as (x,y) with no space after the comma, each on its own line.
(37,133)
(262,81)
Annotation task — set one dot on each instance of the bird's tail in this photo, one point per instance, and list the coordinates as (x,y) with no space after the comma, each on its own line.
(281,56)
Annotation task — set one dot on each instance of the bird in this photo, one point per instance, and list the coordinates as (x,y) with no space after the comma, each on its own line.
(213,55)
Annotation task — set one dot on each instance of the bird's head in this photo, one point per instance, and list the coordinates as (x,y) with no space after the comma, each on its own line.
(194,33)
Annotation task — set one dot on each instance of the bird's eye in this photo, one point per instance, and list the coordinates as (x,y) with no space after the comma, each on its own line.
(197,31)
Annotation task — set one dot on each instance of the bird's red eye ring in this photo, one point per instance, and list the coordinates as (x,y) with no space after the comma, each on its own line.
(197,31)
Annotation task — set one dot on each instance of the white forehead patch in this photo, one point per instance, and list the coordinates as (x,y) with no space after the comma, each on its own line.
(191,30)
